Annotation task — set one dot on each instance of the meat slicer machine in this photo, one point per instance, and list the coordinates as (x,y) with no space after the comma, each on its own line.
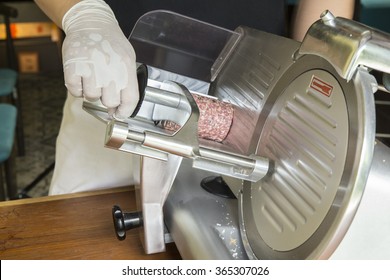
(300,174)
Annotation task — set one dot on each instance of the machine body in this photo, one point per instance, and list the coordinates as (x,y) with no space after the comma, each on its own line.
(299,151)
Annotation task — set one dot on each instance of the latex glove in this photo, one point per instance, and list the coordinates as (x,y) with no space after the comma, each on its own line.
(99,61)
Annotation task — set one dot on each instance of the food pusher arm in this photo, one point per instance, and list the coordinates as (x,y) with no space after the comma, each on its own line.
(139,136)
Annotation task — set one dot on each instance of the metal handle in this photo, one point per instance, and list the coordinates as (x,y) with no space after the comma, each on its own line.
(347,44)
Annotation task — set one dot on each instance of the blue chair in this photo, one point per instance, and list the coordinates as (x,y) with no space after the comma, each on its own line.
(8,117)
(9,75)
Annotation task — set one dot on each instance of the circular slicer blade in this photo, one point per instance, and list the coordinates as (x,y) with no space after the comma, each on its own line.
(319,134)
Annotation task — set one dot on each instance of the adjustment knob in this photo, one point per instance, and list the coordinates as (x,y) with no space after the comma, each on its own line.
(125,221)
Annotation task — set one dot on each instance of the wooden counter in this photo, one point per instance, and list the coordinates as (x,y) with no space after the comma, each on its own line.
(74,226)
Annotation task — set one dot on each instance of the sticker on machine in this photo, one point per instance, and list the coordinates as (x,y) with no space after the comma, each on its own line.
(321,86)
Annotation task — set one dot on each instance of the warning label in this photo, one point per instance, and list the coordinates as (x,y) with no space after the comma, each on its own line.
(321,86)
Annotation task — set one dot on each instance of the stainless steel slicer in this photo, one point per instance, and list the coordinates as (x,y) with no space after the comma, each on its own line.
(300,174)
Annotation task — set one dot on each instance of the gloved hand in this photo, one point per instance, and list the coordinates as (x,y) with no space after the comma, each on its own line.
(99,61)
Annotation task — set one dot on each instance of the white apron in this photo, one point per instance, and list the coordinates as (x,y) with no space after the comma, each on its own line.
(82,161)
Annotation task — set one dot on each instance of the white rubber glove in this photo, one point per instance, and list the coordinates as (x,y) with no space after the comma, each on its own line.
(99,61)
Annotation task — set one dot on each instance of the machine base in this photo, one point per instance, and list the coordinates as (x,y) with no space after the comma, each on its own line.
(206,226)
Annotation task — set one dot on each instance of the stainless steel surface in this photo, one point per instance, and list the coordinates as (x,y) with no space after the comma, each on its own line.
(306,135)
(322,149)
(246,80)
(203,225)
(347,45)
(346,142)
(206,226)
(305,153)
(368,237)
(300,148)
(156,180)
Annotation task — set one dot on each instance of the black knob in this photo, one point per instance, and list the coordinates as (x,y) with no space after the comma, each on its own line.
(125,221)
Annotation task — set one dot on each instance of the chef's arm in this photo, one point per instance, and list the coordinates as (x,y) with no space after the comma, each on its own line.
(56,9)
(309,11)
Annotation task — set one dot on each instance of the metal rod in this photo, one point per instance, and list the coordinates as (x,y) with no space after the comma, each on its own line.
(227,157)
(136,136)
(162,97)
(382,102)
(382,135)
(382,88)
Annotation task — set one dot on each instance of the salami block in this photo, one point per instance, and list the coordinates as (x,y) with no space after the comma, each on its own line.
(215,118)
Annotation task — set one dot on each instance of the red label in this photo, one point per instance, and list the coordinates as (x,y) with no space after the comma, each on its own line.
(321,86)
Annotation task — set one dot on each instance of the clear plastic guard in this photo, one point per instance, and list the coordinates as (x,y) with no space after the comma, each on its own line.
(180,44)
